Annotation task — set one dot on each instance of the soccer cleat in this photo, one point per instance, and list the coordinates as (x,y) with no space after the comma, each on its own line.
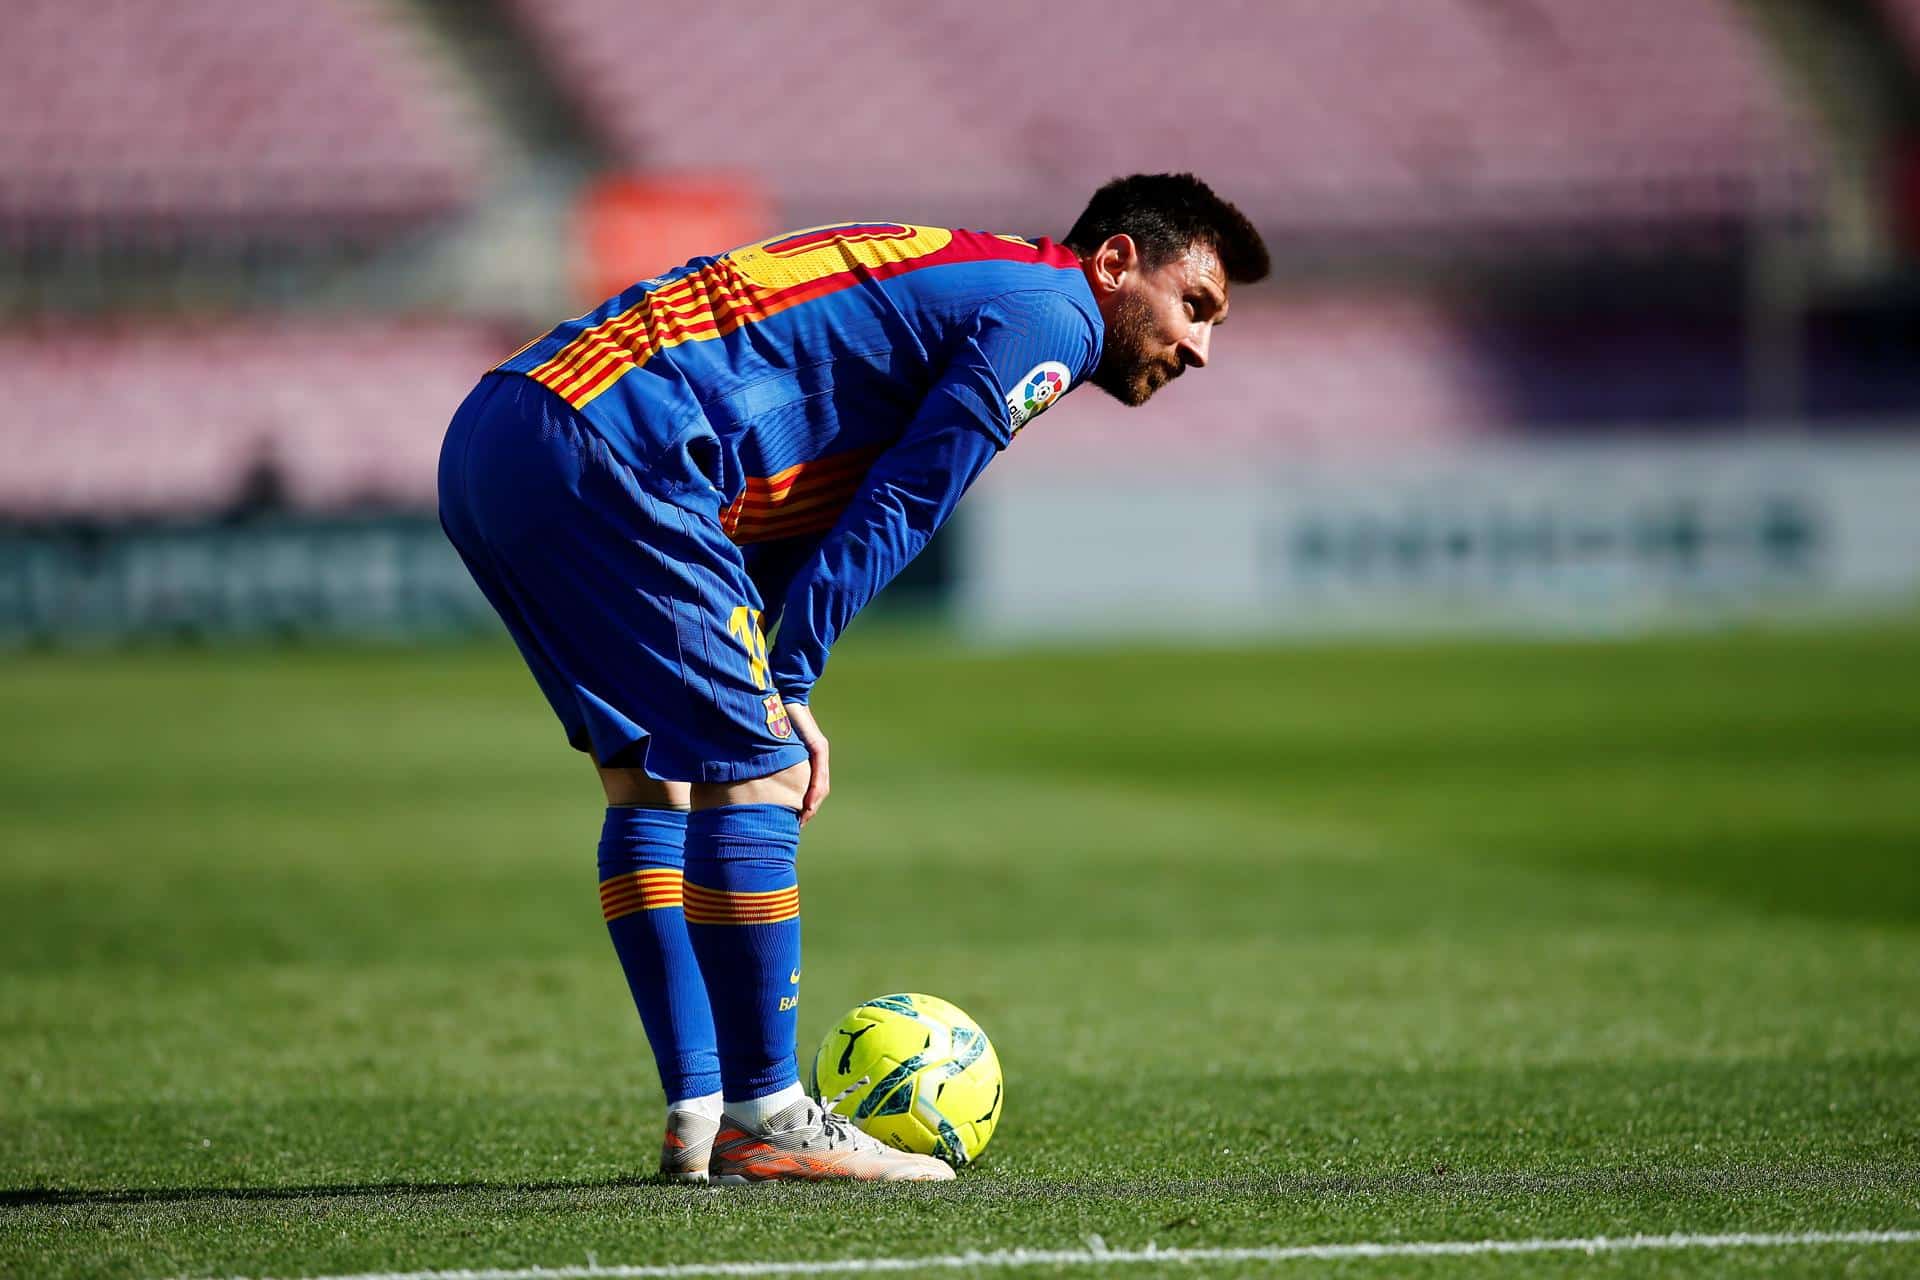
(688,1144)
(806,1143)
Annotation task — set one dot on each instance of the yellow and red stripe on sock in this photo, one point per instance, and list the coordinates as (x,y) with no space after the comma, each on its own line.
(647,889)
(722,906)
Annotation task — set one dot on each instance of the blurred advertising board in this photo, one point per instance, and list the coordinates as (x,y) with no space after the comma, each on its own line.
(1552,537)
(275,577)
(1538,537)
(284,576)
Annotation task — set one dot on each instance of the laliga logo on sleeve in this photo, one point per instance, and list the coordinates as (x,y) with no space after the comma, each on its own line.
(1044,383)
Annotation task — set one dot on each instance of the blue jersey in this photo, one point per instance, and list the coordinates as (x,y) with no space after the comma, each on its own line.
(832,393)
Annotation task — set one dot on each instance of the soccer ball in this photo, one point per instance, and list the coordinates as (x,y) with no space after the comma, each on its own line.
(916,1073)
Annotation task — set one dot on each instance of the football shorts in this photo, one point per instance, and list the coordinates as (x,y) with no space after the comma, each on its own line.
(634,613)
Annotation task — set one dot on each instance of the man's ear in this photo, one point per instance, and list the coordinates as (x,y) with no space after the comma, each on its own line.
(1116,256)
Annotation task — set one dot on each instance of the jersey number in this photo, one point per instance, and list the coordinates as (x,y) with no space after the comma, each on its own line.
(744,626)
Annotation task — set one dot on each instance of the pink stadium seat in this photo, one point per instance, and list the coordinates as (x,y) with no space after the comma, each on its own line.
(169,420)
(1361,116)
(132,116)
(1316,377)
(156,419)
(160,420)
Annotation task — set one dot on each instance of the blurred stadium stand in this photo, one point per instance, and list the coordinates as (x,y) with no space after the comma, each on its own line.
(214,419)
(252,256)
(329,414)
(1347,375)
(127,119)
(1905,17)
(1508,120)
(1373,374)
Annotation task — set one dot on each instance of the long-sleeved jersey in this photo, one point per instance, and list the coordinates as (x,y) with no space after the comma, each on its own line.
(834,391)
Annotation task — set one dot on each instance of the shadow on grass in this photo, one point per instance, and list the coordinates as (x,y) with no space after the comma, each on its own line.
(30,1196)
(985,1185)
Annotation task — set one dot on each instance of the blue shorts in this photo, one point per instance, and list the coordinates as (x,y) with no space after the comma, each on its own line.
(635,614)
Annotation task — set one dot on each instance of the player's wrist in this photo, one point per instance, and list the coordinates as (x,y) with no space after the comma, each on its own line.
(801,717)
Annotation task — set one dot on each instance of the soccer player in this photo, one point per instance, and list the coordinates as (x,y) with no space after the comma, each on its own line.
(769,436)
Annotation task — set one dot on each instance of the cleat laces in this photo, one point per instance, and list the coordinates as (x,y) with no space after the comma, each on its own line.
(841,1096)
(838,1131)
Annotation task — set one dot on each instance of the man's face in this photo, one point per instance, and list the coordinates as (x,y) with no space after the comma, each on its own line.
(1159,322)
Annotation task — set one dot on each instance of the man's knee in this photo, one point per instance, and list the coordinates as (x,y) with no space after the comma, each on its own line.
(787,787)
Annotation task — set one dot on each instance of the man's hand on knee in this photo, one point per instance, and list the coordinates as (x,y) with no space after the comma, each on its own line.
(801,786)
(801,717)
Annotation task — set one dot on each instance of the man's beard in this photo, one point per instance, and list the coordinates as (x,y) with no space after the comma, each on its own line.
(1126,372)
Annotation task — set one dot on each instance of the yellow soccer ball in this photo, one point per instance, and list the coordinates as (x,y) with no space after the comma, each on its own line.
(916,1073)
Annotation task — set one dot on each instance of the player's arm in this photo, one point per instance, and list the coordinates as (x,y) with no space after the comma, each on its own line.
(964,421)
(906,497)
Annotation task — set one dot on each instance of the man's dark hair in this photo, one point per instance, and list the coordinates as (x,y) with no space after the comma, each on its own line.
(1167,214)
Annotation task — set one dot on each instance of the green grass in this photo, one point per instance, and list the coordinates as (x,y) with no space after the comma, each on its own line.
(303,971)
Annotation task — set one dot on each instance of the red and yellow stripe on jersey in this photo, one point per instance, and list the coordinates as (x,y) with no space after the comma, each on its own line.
(771,387)
(749,285)
(722,906)
(806,497)
(647,889)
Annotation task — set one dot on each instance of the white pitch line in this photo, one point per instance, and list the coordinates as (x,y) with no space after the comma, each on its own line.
(1101,1256)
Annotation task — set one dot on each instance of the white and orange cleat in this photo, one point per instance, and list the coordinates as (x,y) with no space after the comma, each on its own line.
(685,1151)
(806,1143)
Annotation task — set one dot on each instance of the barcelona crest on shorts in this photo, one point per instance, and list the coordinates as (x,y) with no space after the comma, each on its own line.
(777,723)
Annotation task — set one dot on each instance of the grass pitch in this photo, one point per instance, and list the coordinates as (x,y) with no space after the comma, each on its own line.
(303,971)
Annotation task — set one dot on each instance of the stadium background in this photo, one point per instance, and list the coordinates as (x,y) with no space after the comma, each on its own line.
(1445,772)
(1581,318)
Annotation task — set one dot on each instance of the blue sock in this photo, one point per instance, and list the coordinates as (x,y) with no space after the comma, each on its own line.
(743,912)
(641,852)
